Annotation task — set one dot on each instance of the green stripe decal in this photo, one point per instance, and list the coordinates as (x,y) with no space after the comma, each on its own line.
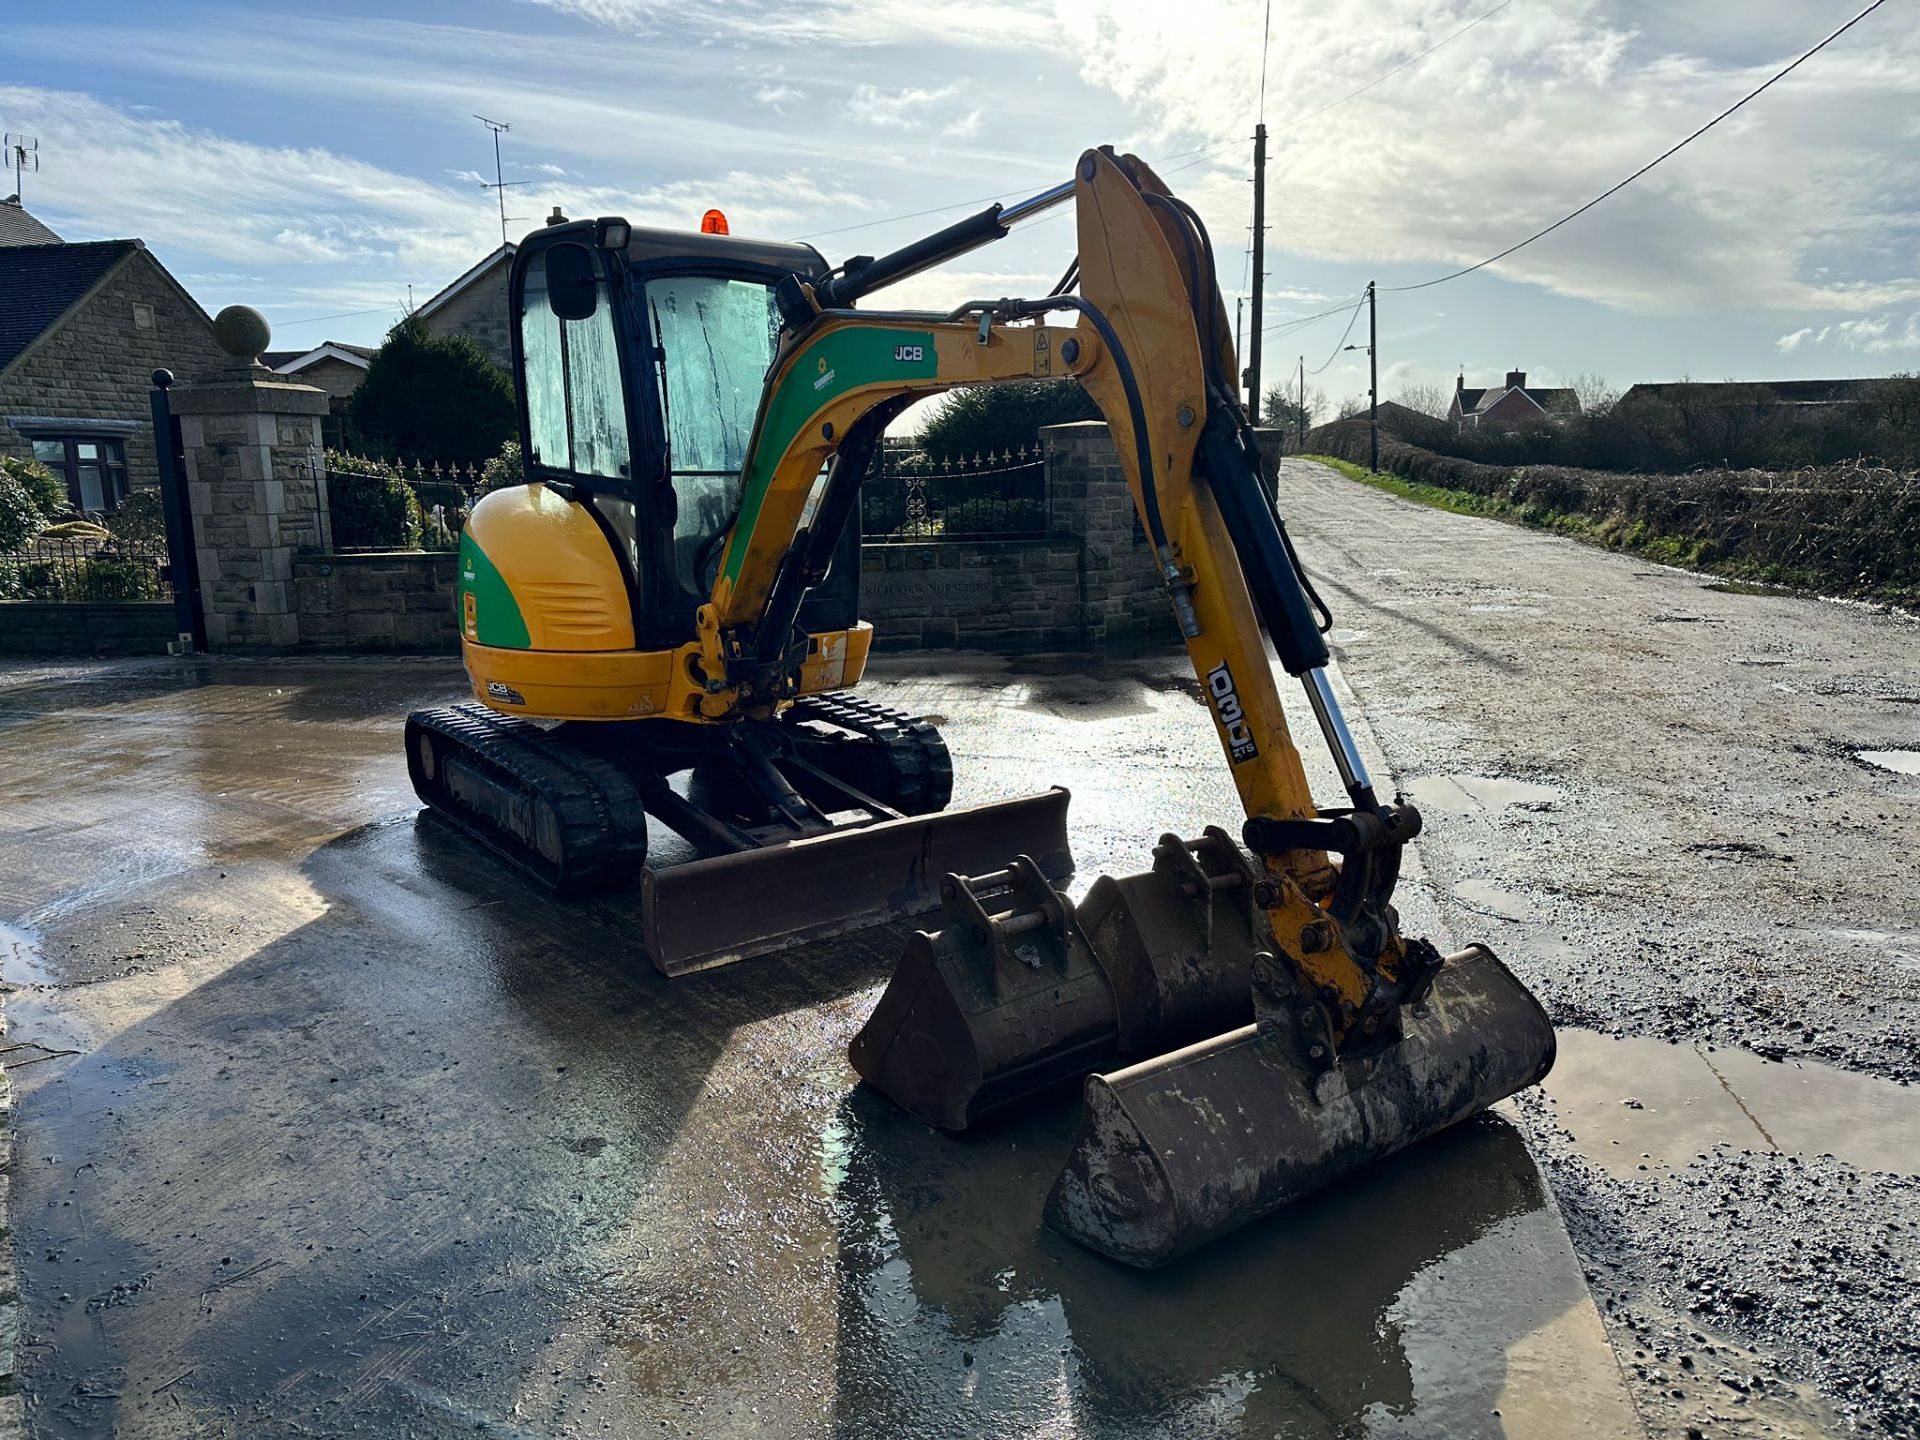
(496,614)
(839,361)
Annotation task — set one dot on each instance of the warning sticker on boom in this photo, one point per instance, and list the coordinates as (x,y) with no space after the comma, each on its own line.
(1233,720)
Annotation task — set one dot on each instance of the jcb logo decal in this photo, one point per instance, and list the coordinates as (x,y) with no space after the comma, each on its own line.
(1226,704)
(913,353)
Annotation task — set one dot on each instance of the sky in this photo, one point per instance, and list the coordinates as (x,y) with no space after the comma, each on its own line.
(323,163)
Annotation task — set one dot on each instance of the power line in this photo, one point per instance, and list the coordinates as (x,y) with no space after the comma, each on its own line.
(1665,154)
(343,315)
(1287,327)
(1266,31)
(1343,340)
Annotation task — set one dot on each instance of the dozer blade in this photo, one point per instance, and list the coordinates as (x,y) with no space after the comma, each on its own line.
(734,907)
(1020,991)
(1180,1149)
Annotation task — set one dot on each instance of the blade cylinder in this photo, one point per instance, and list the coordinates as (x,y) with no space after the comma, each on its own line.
(734,907)
(1185,1147)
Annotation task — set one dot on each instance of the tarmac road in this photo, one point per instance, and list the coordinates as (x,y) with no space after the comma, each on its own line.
(322,1127)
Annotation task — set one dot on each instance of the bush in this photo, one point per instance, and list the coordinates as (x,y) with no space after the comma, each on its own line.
(435,397)
(20,515)
(986,515)
(106,576)
(1003,417)
(503,469)
(141,518)
(372,507)
(48,490)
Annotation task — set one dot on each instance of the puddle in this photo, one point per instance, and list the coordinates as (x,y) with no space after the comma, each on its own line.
(1346,637)
(1900,762)
(20,962)
(1487,898)
(1639,1102)
(1387,1304)
(1475,794)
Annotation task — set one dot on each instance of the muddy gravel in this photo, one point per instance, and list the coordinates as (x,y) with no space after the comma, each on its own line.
(1685,814)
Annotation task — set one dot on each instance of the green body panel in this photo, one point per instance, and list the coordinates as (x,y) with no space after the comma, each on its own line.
(837,362)
(496,614)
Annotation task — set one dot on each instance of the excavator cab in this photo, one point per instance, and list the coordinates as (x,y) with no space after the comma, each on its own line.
(642,355)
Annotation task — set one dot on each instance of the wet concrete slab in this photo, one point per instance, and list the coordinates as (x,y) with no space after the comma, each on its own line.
(332,1128)
(1631,1103)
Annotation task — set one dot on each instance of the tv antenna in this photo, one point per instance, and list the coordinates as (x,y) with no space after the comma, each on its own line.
(23,154)
(500,184)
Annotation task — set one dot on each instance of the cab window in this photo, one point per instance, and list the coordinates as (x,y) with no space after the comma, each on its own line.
(576,407)
(715,339)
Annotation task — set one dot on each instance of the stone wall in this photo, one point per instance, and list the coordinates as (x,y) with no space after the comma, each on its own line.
(97,363)
(105,627)
(1012,596)
(400,600)
(256,487)
(480,310)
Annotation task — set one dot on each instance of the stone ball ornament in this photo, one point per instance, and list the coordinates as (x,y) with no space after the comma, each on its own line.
(242,331)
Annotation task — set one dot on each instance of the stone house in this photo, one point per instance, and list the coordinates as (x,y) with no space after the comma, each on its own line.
(1509,406)
(83,326)
(333,366)
(476,305)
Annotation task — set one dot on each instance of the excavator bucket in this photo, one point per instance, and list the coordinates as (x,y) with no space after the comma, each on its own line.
(732,907)
(1180,1149)
(1020,990)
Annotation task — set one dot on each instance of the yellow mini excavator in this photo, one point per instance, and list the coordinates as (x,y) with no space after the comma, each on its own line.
(661,621)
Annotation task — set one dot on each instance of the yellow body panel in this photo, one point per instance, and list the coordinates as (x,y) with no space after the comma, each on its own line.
(636,684)
(559,566)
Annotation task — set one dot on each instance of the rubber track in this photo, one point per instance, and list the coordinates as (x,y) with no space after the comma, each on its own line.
(918,764)
(603,825)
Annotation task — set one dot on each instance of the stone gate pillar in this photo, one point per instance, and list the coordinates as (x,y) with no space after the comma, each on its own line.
(256,483)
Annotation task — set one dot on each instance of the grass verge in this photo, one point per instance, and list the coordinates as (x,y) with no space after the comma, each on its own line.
(1613,533)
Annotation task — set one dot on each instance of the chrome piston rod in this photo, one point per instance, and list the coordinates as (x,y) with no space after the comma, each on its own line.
(1333,725)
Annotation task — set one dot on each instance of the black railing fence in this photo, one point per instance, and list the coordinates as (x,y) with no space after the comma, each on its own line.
(914,497)
(85,568)
(368,502)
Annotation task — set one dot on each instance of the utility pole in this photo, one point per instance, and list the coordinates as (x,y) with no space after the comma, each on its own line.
(1302,417)
(1239,314)
(1259,267)
(1373,379)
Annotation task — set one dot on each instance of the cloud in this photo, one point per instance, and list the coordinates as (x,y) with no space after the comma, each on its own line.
(775,96)
(1534,112)
(870,105)
(1869,335)
(965,128)
(547,169)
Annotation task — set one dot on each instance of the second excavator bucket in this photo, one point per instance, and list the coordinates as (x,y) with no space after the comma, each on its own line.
(1178,1150)
(714,911)
(1020,990)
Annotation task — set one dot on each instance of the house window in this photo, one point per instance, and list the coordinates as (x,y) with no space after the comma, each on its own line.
(95,469)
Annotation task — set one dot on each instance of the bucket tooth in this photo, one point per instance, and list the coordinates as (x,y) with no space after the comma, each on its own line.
(1178,942)
(1180,1149)
(971,1023)
(733,907)
(1004,999)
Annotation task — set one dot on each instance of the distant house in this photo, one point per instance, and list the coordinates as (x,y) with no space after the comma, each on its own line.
(1791,394)
(476,305)
(335,367)
(83,326)
(1509,406)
